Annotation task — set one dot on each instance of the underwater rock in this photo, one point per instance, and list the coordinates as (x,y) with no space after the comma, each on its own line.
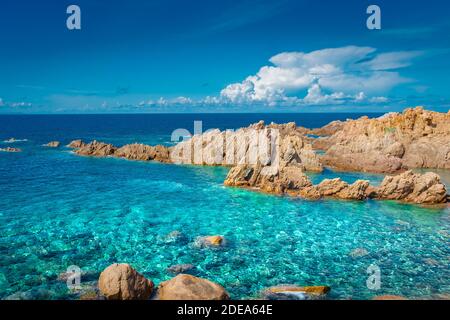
(180,268)
(75,144)
(187,287)
(9,149)
(389,297)
(358,253)
(122,282)
(293,292)
(209,241)
(52,144)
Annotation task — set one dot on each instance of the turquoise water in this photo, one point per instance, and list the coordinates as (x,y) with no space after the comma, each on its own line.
(58,209)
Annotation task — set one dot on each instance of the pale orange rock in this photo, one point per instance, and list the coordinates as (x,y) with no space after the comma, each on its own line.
(122,282)
(187,287)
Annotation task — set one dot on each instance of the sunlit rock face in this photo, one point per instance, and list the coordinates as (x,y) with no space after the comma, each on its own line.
(415,138)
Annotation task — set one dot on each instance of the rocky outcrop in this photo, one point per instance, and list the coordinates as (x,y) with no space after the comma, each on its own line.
(293,292)
(52,144)
(414,188)
(268,179)
(75,144)
(9,149)
(407,187)
(133,151)
(415,138)
(259,144)
(143,152)
(187,287)
(122,282)
(96,149)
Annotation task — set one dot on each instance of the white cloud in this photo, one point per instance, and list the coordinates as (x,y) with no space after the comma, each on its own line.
(328,76)
(1,102)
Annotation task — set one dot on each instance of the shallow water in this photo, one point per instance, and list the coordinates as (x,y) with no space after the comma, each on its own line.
(59,209)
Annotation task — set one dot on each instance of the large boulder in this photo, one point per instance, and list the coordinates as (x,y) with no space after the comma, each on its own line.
(187,287)
(413,187)
(75,144)
(122,282)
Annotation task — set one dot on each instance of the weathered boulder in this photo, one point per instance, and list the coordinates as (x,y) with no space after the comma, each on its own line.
(52,144)
(412,187)
(187,287)
(96,149)
(122,282)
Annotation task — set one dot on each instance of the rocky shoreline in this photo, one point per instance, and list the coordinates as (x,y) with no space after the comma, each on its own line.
(274,158)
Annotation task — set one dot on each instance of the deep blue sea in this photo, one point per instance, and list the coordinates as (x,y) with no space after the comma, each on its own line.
(58,209)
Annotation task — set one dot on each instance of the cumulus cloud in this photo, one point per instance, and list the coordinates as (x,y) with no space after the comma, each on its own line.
(14,104)
(327,76)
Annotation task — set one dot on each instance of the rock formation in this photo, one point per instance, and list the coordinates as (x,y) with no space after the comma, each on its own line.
(415,138)
(209,241)
(96,149)
(75,144)
(122,282)
(52,144)
(187,287)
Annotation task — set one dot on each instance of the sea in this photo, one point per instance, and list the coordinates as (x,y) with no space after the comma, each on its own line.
(59,211)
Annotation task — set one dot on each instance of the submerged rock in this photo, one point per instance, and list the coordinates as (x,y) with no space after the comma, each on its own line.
(180,268)
(358,253)
(209,241)
(122,282)
(187,287)
(293,292)
(389,297)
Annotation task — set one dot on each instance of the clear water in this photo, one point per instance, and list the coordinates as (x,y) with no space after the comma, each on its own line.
(58,209)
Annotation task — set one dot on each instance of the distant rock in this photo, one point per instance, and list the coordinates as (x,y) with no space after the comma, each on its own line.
(143,152)
(293,292)
(14,140)
(96,149)
(9,149)
(180,268)
(122,282)
(75,144)
(187,287)
(52,144)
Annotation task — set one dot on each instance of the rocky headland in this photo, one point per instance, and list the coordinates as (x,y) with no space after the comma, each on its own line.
(273,158)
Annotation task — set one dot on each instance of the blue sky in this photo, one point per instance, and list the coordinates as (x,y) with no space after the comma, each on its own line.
(223,56)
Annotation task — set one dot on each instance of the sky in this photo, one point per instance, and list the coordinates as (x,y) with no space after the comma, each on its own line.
(223,56)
